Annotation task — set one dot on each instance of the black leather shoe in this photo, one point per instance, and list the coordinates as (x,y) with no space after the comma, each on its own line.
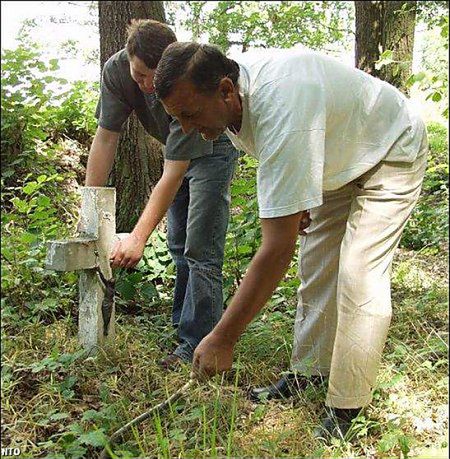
(336,424)
(289,385)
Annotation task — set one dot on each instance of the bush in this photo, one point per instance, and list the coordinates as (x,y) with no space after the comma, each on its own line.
(37,212)
(39,177)
(428,225)
(75,116)
(38,107)
(244,236)
(244,231)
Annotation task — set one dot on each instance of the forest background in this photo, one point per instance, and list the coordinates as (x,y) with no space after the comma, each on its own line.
(58,403)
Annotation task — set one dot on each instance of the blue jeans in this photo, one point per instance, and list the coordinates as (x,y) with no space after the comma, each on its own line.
(197,225)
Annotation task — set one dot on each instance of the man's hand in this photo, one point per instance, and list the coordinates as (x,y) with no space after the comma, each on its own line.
(127,252)
(213,355)
(305,221)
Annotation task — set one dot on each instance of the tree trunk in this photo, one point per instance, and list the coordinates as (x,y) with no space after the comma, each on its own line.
(368,27)
(398,36)
(381,26)
(139,159)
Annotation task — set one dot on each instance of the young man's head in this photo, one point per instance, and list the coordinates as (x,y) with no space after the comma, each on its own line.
(147,40)
(198,85)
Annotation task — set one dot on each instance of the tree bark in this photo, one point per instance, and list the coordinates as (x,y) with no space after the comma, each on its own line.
(139,159)
(381,26)
(368,27)
(398,36)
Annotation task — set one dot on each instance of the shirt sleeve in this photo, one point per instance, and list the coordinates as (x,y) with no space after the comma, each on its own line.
(289,133)
(112,108)
(181,147)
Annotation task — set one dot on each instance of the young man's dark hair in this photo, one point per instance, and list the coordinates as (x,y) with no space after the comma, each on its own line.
(147,40)
(203,65)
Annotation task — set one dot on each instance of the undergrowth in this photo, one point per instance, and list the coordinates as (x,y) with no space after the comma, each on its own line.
(59,403)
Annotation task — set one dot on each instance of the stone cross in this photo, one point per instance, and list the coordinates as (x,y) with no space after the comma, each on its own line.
(89,253)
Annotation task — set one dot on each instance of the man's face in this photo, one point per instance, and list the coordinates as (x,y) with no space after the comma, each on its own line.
(142,75)
(207,114)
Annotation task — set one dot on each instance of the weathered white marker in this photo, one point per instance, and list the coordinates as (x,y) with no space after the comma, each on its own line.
(89,253)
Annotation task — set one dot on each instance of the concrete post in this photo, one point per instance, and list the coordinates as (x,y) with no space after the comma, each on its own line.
(89,254)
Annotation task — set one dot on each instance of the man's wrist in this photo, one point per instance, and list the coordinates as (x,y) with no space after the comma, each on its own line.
(221,334)
(139,236)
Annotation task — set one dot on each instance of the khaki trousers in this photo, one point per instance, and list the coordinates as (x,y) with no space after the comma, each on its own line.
(344,308)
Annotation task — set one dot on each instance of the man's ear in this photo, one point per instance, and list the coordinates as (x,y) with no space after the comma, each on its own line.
(226,88)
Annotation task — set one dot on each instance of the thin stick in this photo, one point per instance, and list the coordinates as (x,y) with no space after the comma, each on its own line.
(118,433)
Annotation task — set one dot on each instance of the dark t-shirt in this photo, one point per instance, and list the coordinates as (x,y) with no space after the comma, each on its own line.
(120,95)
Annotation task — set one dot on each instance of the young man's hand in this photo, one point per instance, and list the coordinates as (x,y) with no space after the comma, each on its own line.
(127,252)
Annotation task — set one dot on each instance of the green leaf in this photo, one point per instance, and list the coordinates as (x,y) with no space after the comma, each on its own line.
(134,278)
(75,428)
(387,54)
(91,415)
(387,442)
(126,290)
(21,205)
(244,249)
(53,63)
(149,291)
(386,58)
(75,451)
(177,435)
(43,201)
(395,70)
(96,438)
(436,97)
(28,238)
(59,416)
(30,188)
(8,173)
(419,76)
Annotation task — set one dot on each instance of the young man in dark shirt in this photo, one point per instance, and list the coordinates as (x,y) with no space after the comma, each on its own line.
(194,187)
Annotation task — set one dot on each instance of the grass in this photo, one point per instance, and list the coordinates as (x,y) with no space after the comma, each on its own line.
(58,404)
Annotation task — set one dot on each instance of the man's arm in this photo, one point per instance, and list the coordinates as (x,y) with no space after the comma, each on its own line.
(129,251)
(101,157)
(214,353)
